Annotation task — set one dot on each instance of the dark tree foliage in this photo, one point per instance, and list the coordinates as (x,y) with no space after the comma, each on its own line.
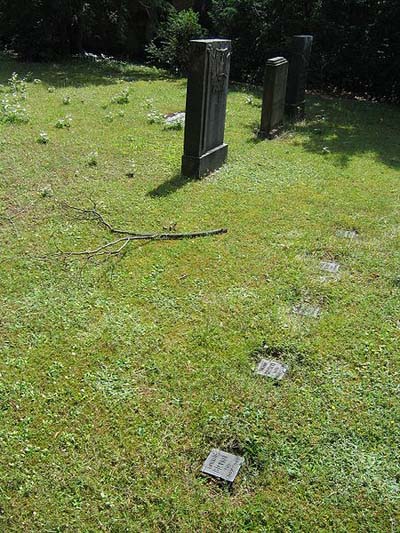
(44,29)
(356,47)
(170,49)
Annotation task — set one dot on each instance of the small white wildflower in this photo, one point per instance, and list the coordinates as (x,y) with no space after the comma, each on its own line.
(92,159)
(132,170)
(43,138)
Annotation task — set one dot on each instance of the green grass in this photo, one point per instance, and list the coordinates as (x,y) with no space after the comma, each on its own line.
(117,376)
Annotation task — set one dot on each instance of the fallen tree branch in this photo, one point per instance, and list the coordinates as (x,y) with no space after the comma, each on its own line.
(117,246)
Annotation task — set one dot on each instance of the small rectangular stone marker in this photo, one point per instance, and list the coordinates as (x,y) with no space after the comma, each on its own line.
(330,267)
(273,106)
(174,119)
(222,465)
(297,78)
(307,310)
(271,369)
(207,90)
(347,234)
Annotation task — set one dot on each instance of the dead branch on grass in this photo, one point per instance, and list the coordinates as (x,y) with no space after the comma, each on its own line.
(117,246)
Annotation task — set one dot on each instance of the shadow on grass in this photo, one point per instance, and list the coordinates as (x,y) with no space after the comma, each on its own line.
(279,134)
(347,128)
(80,72)
(169,187)
(254,127)
(342,127)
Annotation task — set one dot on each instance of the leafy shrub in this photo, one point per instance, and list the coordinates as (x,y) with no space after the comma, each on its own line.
(17,85)
(121,98)
(64,122)
(92,159)
(43,138)
(154,117)
(170,49)
(12,110)
(132,169)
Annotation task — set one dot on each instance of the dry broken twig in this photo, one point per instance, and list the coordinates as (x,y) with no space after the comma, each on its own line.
(116,246)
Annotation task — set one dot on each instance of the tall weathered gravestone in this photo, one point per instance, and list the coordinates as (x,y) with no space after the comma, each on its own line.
(297,79)
(207,90)
(273,106)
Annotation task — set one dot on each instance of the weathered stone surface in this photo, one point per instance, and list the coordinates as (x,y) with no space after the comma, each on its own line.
(274,95)
(307,310)
(174,119)
(222,465)
(331,267)
(347,234)
(204,147)
(297,78)
(271,369)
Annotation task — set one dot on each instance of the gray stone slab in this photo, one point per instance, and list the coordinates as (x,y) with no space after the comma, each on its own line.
(274,95)
(329,279)
(307,310)
(299,59)
(207,90)
(173,119)
(271,369)
(222,465)
(347,234)
(331,267)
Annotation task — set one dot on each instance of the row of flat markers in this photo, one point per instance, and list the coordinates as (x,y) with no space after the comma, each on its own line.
(224,465)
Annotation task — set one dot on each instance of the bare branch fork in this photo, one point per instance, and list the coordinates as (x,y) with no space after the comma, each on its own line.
(116,246)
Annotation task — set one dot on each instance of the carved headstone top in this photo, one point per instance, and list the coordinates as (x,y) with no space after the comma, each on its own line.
(218,60)
(277,61)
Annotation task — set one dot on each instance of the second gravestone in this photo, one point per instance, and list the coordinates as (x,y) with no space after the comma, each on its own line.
(204,147)
(273,106)
(297,79)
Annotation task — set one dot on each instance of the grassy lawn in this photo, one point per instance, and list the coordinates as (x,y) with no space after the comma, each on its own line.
(119,374)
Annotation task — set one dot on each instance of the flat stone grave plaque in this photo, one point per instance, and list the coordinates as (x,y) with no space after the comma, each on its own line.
(222,465)
(271,369)
(328,279)
(347,234)
(331,267)
(307,310)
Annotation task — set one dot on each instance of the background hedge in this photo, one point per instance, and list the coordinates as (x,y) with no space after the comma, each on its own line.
(356,49)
